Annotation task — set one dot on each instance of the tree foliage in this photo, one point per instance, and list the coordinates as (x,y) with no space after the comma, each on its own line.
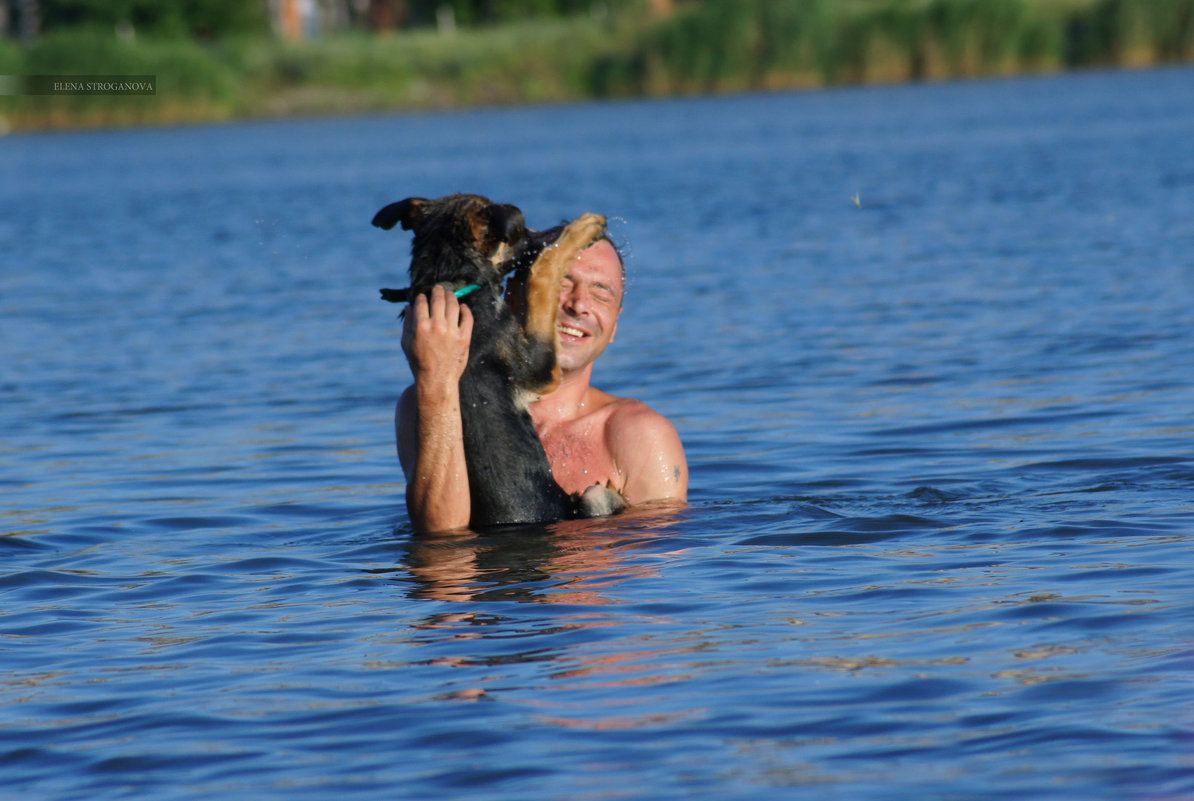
(193,18)
(215,18)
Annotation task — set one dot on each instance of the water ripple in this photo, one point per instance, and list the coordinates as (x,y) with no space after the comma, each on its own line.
(939,538)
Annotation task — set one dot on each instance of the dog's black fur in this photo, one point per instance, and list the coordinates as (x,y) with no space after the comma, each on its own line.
(467,239)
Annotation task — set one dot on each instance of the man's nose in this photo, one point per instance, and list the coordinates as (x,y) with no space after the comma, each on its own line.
(574,299)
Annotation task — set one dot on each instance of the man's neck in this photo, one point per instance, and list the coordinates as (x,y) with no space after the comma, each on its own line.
(565,402)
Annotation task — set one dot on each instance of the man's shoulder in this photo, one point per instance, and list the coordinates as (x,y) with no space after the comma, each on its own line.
(633,411)
(632,420)
(647,449)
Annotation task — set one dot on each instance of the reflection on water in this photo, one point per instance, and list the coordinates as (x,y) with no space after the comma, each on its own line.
(570,562)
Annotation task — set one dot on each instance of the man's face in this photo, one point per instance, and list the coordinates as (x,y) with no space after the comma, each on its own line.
(590,302)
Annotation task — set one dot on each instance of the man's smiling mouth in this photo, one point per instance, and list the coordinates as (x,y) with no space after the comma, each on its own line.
(569,331)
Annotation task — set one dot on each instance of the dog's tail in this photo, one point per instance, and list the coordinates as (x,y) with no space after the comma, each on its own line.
(396,295)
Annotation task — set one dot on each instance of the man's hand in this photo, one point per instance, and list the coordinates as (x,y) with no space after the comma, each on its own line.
(435,339)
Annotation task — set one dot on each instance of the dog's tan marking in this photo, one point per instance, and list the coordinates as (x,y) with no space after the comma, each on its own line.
(501,256)
(543,288)
(523,399)
(478,224)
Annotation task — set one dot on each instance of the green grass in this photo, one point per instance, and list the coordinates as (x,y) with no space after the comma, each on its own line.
(713,46)
(530,62)
(728,45)
(193,83)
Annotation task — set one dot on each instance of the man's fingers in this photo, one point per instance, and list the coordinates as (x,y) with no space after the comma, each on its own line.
(408,320)
(422,312)
(466,322)
(440,310)
(439,336)
(451,306)
(444,306)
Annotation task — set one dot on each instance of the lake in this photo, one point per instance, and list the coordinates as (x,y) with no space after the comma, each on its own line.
(929,351)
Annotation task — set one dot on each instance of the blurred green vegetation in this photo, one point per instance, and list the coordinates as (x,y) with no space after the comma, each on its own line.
(233,67)
(732,45)
(169,18)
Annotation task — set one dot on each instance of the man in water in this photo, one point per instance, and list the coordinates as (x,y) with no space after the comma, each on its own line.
(590,436)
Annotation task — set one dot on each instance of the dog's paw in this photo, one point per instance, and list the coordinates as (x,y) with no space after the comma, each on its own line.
(584,231)
(599,501)
(396,295)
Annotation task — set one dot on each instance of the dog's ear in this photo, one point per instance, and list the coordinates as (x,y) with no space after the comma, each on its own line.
(409,212)
(506,223)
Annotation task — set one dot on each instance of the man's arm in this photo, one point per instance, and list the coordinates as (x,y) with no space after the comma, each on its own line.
(427,420)
(648,452)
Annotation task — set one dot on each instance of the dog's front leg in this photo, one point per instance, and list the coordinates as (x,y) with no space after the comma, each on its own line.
(543,288)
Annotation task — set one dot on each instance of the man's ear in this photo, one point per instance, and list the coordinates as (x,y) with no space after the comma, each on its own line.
(506,224)
(409,212)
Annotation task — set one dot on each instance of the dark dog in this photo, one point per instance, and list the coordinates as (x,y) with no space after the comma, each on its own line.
(467,244)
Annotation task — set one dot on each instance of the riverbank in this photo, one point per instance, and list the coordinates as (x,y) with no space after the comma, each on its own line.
(720,46)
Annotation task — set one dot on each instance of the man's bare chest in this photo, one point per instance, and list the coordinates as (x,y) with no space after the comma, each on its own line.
(580,457)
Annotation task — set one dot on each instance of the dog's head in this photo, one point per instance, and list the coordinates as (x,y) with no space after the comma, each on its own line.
(458,238)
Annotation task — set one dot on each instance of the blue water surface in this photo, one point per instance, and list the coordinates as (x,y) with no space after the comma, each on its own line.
(929,351)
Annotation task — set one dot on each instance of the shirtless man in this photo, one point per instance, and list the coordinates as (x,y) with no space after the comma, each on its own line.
(590,436)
